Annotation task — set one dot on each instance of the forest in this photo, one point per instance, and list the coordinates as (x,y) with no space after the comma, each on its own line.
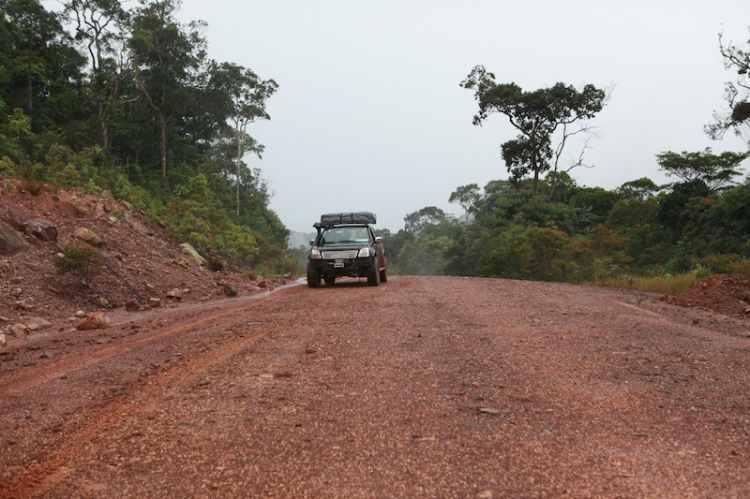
(540,225)
(97,96)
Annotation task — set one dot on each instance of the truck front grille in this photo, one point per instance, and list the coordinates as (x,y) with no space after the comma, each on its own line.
(339,255)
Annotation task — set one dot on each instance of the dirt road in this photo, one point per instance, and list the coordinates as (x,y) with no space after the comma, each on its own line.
(421,387)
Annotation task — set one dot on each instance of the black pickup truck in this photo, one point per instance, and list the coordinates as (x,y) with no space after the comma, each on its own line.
(346,246)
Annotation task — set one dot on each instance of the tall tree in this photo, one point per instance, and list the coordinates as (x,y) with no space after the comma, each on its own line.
(246,95)
(43,72)
(99,27)
(166,56)
(537,115)
(467,197)
(643,188)
(714,170)
(737,94)
(417,221)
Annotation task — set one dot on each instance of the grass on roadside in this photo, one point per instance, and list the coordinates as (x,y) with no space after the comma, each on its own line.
(665,284)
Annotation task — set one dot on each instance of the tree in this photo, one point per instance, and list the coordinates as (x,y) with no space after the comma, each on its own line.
(737,94)
(467,196)
(246,97)
(643,188)
(417,221)
(99,26)
(165,57)
(716,171)
(40,71)
(537,115)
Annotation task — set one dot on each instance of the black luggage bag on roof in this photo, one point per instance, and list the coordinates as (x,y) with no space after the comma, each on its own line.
(357,217)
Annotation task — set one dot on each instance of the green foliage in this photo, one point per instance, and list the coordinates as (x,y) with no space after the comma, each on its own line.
(661,284)
(537,115)
(81,261)
(239,241)
(104,125)
(715,171)
(727,264)
(737,93)
(7,167)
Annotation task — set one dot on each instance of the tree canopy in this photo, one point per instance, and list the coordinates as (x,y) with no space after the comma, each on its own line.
(537,115)
(110,95)
(715,170)
(736,93)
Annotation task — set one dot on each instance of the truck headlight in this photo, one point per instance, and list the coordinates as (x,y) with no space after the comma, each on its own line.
(314,254)
(364,253)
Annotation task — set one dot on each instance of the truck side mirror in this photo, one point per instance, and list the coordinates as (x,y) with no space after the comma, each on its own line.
(378,239)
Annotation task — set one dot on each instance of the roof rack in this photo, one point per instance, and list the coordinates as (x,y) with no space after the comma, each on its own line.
(356,217)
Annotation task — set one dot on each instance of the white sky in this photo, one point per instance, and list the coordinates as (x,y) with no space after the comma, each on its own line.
(370,115)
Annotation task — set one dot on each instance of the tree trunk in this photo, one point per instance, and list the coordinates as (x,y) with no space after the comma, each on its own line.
(239,162)
(29,81)
(104,129)
(163,145)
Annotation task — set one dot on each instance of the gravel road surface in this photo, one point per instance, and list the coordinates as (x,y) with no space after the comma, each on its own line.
(421,387)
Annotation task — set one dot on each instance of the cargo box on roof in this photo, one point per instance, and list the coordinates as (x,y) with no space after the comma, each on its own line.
(358,217)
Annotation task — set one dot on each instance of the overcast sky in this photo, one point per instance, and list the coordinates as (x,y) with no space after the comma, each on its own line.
(369,115)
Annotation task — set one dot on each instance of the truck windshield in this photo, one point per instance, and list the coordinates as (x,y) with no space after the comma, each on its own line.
(341,235)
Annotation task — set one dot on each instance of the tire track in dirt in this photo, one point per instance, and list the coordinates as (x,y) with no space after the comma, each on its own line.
(42,476)
(22,381)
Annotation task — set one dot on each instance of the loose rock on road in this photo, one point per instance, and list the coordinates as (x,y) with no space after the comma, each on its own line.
(421,387)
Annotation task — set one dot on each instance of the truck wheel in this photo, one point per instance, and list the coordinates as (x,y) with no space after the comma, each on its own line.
(373,274)
(313,278)
(384,274)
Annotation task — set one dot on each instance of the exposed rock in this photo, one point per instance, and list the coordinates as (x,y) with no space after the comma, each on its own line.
(23,305)
(132,221)
(175,294)
(13,217)
(3,340)
(41,229)
(88,235)
(189,251)
(97,320)
(132,305)
(39,323)
(107,194)
(230,290)
(11,242)
(19,330)
(154,302)
(80,314)
(262,284)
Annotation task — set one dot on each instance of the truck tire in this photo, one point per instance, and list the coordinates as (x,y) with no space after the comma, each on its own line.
(373,274)
(313,277)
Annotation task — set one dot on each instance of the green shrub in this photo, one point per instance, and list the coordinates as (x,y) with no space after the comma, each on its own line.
(728,264)
(7,167)
(81,261)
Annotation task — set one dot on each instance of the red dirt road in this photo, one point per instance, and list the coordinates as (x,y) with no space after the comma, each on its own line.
(421,387)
